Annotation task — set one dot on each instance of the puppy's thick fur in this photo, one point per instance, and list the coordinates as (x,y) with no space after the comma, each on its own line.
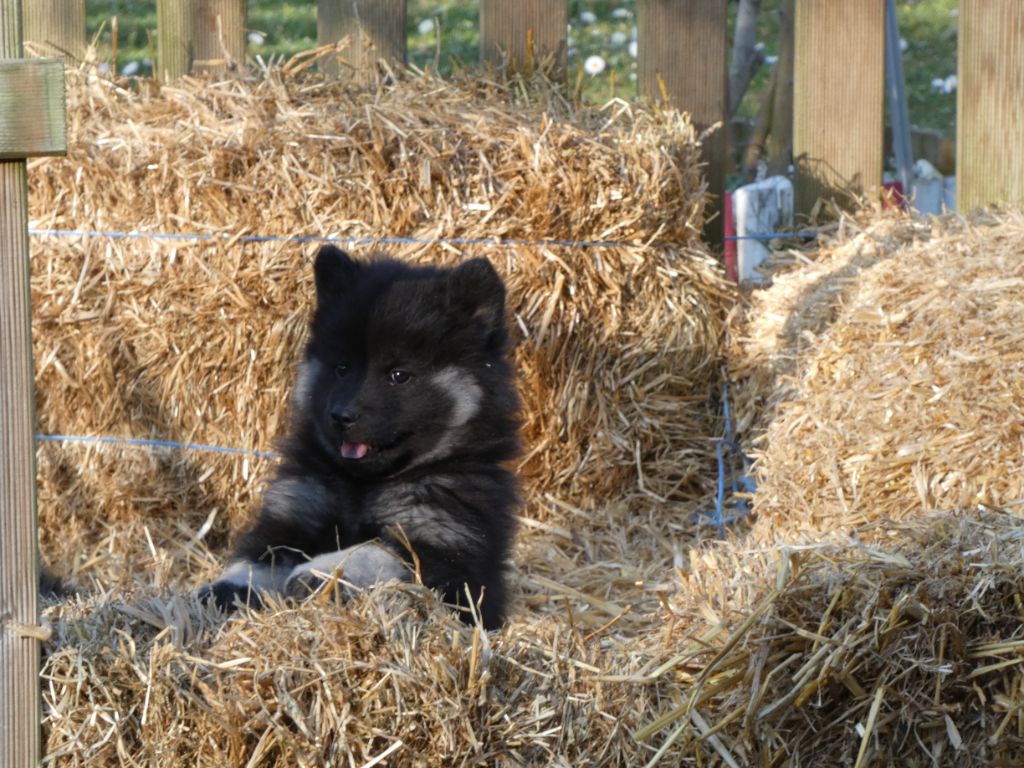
(404,417)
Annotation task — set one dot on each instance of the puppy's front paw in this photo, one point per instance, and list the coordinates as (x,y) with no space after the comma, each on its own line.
(242,583)
(301,585)
(228,596)
(355,568)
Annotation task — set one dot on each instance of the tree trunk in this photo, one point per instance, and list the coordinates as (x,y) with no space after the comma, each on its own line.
(780,139)
(762,126)
(746,59)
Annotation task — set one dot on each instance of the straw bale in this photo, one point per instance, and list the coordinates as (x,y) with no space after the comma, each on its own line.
(909,653)
(876,382)
(161,682)
(776,326)
(894,366)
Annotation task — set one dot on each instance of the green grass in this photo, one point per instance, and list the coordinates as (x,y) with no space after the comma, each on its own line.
(930,29)
(289,26)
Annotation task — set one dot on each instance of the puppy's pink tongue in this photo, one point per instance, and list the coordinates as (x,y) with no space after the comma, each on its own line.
(354,450)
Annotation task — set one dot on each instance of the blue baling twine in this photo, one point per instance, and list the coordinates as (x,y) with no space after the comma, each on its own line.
(356,241)
(775,236)
(737,466)
(153,443)
(735,463)
(333,240)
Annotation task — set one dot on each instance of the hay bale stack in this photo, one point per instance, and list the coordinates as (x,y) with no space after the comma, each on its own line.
(906,647)
(197,340)
(909,378)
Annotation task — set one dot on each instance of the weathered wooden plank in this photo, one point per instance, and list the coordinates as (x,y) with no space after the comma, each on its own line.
(523,33)
(219,31)
(175,45)
(990,104)
(19,565)
(56,28)
(19,558)
(682,55)
(375,31)
(32,108)
(838,102)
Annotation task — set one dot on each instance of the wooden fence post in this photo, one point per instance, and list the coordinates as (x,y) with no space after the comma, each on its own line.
(838,100)
(219,34)
(524,33)
(682,56)
(56,27)
(175,47)
(31,123)
(990,104)
(375,31)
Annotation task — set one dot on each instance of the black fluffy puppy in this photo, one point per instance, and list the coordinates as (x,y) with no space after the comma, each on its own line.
(404,416)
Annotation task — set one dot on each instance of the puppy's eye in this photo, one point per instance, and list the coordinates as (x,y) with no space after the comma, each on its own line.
(341,370)
(399,376)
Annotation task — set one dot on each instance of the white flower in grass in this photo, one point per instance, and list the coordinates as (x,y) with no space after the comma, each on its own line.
(621,13)
(131,69)
(771,60)
(904,45)
(951,83)
(588,17)
(257,38)
(426,26)
(618,38)
(633,48)
(594,65)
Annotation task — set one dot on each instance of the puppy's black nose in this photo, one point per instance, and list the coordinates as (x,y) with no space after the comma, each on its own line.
(344,417)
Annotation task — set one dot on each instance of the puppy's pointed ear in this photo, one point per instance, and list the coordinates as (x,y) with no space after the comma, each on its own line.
(335,272)
(476,290)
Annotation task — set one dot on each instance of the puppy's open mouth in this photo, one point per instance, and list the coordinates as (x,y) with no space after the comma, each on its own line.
(358,451)
(354,450)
